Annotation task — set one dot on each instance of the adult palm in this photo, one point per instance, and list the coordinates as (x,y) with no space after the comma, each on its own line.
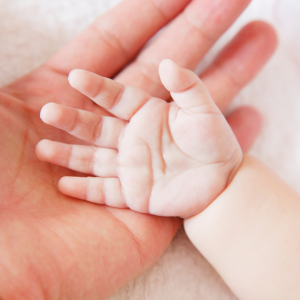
(54,247)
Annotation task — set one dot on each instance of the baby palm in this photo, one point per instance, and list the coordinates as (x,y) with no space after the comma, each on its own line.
(169,159)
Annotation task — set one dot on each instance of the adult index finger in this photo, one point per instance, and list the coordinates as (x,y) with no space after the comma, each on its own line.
(112,40)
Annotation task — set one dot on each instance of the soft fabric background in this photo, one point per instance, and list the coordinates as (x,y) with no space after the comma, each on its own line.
(33,30)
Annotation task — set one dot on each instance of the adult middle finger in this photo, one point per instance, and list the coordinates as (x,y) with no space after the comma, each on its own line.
(185,40)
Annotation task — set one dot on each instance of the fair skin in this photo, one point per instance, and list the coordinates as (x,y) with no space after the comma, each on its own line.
(249,231)
(250,234)
(53,246)
(151,156)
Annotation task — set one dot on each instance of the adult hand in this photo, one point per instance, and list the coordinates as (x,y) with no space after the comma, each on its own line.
(54,247)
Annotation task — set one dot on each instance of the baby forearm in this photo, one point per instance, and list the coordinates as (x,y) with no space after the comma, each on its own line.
(251,234)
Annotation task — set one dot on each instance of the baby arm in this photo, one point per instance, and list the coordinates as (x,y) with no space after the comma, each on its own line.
(251,234)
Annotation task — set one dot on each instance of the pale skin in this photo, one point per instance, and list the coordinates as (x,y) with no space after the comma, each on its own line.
(249,231)
(51,245)
(250,234)
(167,159)
(246,222)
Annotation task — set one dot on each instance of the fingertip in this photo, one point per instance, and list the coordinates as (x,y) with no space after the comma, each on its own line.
(73,186)
(261,40)
(75,78)
(165,65)
(267,32)
(85,82)
(174,78)
(65,187)
(167,70)
(40,148)
(63,184)
(48,112)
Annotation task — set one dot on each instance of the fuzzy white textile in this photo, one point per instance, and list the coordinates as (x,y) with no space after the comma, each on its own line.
(33,30)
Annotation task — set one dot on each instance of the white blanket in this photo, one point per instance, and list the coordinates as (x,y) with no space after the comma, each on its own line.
(33,30)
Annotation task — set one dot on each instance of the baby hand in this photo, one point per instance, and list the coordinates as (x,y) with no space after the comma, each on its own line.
(167,159)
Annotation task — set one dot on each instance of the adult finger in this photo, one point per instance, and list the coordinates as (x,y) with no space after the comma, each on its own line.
(246,123)
(239,62)
(234,68)
(185,41)
(110,42)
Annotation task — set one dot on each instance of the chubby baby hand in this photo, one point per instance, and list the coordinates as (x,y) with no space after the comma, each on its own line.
(166,159)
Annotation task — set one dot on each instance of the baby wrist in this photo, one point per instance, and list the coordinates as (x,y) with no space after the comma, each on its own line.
(252,225)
